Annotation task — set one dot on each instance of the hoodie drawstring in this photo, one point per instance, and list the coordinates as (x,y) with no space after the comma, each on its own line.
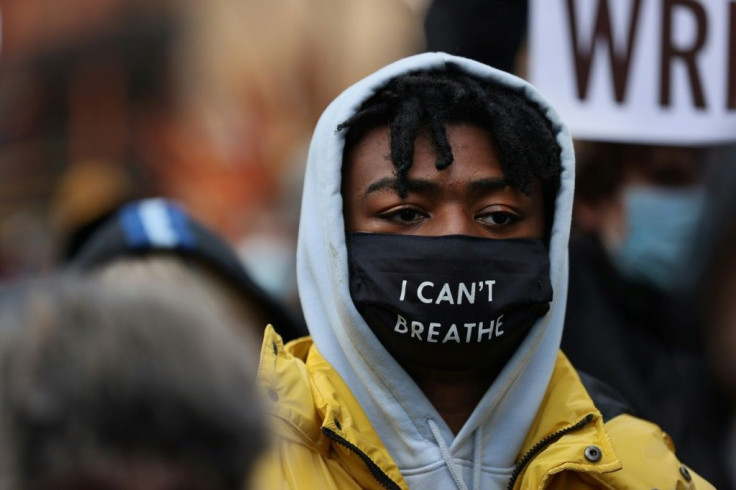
(476,458)
(450,463)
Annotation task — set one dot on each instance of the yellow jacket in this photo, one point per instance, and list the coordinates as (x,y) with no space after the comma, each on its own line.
(324,440)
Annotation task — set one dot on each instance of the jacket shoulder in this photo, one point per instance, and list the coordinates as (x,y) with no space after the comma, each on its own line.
(643,448)
(322,438)
(299,456)
(646,453)
(285,382)
(607,448)
(648,458)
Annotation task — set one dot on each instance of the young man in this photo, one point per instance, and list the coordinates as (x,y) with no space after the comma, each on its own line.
(432,267)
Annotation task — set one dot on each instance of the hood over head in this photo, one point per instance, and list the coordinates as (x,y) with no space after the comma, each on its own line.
(407,423)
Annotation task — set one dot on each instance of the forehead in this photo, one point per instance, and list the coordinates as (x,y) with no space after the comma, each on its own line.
(473,150)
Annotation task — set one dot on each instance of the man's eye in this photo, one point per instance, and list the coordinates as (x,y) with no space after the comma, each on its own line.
(499,218)
(404,215)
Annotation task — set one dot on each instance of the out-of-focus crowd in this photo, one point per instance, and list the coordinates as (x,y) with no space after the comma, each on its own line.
(136,367)
(130,324)
(208,103)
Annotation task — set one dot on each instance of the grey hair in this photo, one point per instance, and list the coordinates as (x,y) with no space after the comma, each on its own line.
(93,372)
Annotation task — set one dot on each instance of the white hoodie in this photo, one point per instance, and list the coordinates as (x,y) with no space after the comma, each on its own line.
(483,453)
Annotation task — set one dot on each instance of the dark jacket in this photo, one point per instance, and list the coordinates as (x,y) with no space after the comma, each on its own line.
(645,344)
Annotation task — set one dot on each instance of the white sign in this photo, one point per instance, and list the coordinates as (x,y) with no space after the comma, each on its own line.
(654,71)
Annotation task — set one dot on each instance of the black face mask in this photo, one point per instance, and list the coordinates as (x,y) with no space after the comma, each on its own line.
(449,302)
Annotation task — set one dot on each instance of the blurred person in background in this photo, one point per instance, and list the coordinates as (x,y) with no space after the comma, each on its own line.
(490,31)
(720,342)
(123,385)
(157,239)
(633,314)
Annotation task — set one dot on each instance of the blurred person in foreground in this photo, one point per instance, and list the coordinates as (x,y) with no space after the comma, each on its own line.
(633,308)
(432,270)
(125,385)
(157,239)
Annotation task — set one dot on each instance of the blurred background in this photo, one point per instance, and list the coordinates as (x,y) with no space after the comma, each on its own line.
(208,103)
(212,104)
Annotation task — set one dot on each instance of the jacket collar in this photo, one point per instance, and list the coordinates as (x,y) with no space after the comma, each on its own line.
(315,407)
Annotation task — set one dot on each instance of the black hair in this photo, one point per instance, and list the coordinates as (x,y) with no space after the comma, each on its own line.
(430,100)
(602,167)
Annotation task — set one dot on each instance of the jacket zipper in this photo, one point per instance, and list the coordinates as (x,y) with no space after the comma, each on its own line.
(381,477)
(538,447)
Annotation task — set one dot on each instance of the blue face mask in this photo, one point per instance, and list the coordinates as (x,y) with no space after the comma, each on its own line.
(661,231)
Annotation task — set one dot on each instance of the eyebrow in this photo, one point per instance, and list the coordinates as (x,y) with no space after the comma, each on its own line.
(418,185)
(486,185)
(392,183)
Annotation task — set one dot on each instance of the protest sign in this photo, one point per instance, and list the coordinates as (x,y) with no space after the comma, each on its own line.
(655,71)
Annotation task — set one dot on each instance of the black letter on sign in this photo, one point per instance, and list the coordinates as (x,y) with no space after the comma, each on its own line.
(687,55)
(731,56)
(603,30)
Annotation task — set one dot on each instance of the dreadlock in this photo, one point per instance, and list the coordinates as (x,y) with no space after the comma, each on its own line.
(431,100)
